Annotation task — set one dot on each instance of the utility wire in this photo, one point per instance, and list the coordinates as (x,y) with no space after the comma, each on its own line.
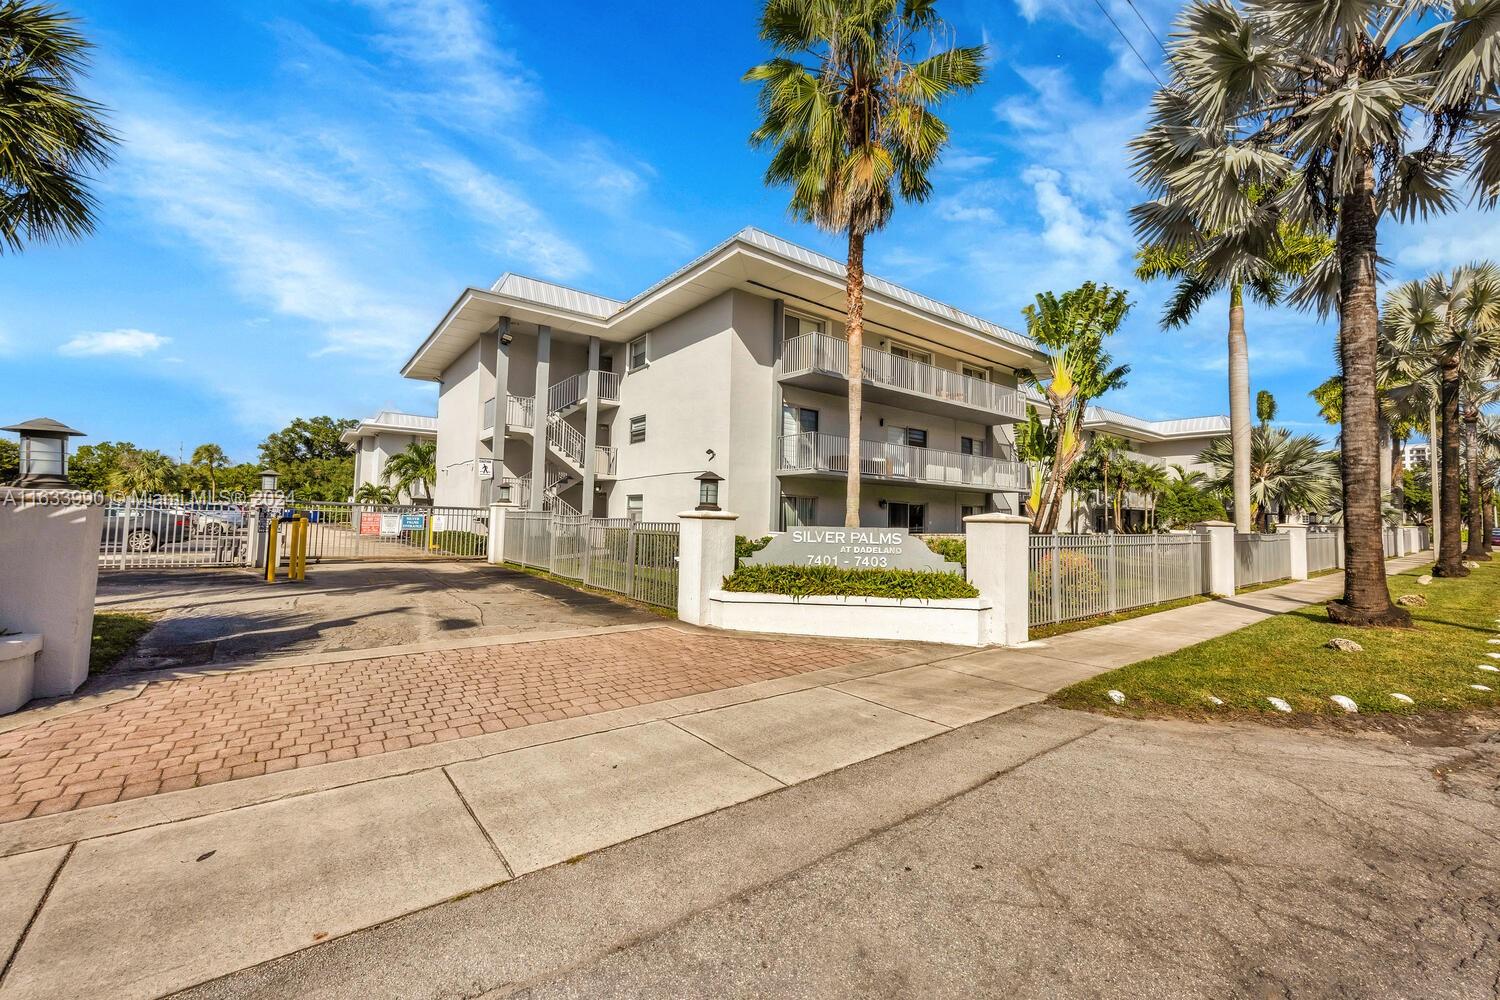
(1103,10)
(1147,25)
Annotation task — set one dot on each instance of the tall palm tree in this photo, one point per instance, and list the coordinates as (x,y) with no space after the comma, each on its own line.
(211,458)
(1347,111)
(855,130)
(50,135)
(1287,471)
(1479,391)
(1070,328)
(1153,481)
(374,493)
(1290,256)
(1446,327)
(414,469)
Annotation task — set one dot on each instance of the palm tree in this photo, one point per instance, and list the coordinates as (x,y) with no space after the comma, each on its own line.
(211,458)
(49,134)
(855,130)
(141,473)
(375,493)
(1479,390)
(1036,443)
(1265,407)
(1290,256)
(1287,472)
(1447,327)
(414,469)
(1071,329)
(1153,481)
(1322,104)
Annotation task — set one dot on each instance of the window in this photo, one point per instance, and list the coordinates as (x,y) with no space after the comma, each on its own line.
(637,429)
(980,373)
(635,506)
(911,353)
(797,512)
(911,437)
(796,325)
(636,353)
(966,510)
(798,419)
(972,446)
(911,516)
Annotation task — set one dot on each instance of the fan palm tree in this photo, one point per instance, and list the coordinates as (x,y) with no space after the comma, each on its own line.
(1348,111)
(210,458)
(1290,256)
(1287,472)
(1479,391)
(855,130)
(1070,329)
(1447,326)
(50,135)
(414,469)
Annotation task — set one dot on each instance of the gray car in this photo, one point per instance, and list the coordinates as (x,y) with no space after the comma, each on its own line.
(143,529)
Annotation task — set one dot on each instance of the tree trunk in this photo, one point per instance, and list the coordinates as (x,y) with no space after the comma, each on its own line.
(1475,550)
(1449,557)
(1239,407)
(1435,477)
(1398,474)
(1489,520)
(855,330)
(1367,598)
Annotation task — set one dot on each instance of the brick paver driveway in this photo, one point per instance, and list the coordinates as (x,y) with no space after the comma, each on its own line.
(199,730)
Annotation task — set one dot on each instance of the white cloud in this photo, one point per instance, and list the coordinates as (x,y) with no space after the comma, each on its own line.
(131,343)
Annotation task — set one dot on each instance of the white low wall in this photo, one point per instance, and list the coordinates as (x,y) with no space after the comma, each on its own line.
(49,567)
(17,669)
(959,621)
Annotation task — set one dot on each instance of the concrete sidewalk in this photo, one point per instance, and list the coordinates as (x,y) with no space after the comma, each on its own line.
(157,894)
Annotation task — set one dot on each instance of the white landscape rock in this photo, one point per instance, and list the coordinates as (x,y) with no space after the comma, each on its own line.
(1493,656)
(1412,601)
(1490,667)
(1480,687)
(1279,704)
(1345,702)
(1215,701)
(1424,580)
(1494,642)
(1404,699)
(1118,697)
(1343,645)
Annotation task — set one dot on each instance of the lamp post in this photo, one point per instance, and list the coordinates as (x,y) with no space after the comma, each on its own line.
(268,480)
(44,452)
(708,491)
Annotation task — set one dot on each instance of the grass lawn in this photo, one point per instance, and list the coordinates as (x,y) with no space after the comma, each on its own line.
(114,633)
(1077,624)
(1433,663)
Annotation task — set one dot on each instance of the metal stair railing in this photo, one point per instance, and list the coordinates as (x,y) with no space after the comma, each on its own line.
(565,440)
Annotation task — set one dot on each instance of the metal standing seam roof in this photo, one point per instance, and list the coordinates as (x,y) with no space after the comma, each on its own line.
(396,420)
(601,307)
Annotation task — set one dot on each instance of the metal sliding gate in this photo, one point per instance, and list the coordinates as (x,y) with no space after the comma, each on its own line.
(635,558)
(387,531)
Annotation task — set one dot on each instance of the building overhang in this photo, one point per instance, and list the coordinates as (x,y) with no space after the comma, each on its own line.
(751,261)
(391,422)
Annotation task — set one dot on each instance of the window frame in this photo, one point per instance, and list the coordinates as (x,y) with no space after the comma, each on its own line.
(635,506)
(796,502)
(915,354)
(645,341)
(638,423)
(820,325)
(973,371)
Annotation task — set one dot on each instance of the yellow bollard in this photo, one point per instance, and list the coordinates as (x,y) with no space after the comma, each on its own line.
(294,545)
(271,548)
(430,546)
(305,525)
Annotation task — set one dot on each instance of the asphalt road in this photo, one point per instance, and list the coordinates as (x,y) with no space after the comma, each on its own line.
(1040,853)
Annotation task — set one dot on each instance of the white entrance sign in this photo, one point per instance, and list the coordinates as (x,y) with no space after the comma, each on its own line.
(851,548)
(390,524)
(486,468)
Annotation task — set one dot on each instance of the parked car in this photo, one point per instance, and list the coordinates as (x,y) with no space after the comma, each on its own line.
(1495,536)
(214,518)
(143,529)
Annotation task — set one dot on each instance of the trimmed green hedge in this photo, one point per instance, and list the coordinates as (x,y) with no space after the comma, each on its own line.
(830,581)
(746,547)
(951,549)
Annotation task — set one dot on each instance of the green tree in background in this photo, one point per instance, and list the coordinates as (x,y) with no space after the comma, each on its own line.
(50,135)
(313,463)
(1265,407)
(855,130)
(10,461)
(414,469)
(210,458)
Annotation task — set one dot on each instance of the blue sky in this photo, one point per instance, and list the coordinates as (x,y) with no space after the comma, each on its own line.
(306,186)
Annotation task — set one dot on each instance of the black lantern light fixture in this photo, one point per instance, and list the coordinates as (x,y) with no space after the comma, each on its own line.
(44,452)
(708,491)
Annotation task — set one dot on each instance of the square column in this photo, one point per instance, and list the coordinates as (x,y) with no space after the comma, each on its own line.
(591,429)
(1220,569)
(705,556)
(1298,542)
(540,416)
(999,559)
(495,544)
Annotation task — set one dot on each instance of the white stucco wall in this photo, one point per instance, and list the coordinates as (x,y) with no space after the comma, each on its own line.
(49,567)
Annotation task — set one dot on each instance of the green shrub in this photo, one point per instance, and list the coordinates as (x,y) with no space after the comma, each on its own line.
(746,547)
(1081,579)
(830,581)
(951,549)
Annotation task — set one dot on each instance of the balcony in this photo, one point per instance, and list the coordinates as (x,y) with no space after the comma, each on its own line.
(572,392)
(818,361)
(816,454)
(520,411)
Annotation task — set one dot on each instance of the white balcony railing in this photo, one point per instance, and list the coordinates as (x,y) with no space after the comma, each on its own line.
(520,411)
(574,390)
(815,452)
(818,352)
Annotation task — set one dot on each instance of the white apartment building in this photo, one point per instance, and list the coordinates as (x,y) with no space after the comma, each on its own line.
(735,364)
(377,438)
(1153,442)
